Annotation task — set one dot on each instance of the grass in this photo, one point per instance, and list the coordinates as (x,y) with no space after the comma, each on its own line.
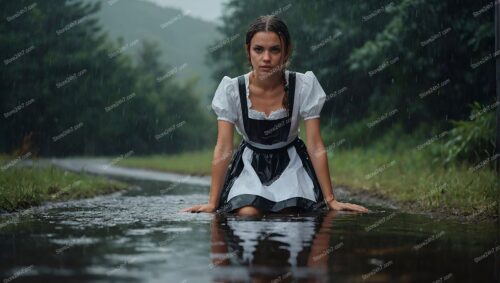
(406,177)
(23,187)
(194,163)
(416,185)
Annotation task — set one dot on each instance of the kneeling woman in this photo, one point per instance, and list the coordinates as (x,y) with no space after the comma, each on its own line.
(272,170)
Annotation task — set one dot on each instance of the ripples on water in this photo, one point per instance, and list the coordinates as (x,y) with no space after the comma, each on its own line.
(140,236)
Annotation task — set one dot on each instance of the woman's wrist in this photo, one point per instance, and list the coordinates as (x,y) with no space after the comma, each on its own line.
(212,199)
(328,199)
(212,203)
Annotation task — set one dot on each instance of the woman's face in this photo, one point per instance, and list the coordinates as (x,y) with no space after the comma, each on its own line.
(266,54)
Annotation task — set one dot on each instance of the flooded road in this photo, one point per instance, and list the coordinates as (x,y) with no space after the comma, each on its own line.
(140,236)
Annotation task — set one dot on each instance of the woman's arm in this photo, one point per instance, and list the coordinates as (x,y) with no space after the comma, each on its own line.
(222,156)
(318,155)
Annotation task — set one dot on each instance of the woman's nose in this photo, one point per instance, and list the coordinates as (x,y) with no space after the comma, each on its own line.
(266,56)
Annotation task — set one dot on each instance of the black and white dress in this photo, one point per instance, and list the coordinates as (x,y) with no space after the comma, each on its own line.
(271,168)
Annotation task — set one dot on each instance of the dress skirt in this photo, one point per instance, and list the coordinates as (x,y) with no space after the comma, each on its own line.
(271,180)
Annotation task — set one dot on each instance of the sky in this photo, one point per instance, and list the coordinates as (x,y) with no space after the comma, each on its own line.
(209,10)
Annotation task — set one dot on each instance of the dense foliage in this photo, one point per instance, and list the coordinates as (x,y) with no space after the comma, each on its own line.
(68,89)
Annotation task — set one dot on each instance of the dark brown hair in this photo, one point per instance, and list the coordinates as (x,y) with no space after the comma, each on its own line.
(271,23)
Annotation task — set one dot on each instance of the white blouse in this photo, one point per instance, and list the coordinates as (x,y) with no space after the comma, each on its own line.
(309,100)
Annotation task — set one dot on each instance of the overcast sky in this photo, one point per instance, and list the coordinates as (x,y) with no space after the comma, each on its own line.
(209,10)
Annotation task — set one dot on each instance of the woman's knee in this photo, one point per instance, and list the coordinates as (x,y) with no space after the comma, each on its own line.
(249,211)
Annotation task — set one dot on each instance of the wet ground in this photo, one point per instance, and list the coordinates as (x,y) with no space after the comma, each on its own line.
(140,236)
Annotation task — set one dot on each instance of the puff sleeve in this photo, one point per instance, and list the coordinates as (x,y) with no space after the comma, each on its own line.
(312,97)
(223,101)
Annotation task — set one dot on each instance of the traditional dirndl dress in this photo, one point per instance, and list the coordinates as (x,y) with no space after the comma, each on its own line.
(271,168)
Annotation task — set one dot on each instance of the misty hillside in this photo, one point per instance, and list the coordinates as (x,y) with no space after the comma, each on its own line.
(183,40)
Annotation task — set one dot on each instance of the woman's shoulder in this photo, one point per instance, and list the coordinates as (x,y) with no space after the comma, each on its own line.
(228,85)
(305,83)
(310,95)
(231,84)
(307,76)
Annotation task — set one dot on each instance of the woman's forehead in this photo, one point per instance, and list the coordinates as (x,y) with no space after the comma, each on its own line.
(265,39)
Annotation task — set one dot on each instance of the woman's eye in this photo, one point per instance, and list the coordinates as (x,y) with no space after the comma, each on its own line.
(259,50)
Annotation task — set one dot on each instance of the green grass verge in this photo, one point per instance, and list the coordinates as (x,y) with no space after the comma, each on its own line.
(23,187)
(410,180)
(194,163)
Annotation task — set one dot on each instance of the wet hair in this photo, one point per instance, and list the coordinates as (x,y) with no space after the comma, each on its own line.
(271,23)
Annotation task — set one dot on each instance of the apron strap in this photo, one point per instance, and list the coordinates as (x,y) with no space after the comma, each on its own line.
(243,101)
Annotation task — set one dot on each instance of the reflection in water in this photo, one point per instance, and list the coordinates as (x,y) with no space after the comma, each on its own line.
(139,236)
(277,248)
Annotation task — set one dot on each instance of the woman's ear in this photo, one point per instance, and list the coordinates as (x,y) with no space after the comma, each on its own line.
(247,51)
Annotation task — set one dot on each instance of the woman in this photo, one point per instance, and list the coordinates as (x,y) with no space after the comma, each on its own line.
(272,170)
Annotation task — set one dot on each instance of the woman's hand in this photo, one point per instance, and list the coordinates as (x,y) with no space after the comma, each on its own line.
(337,205)
(200,208)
